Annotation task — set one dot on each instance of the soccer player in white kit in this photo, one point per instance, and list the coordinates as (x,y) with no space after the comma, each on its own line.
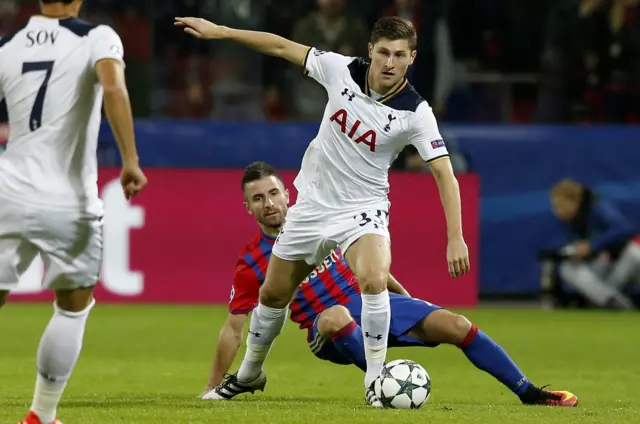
(371,115)
(54,74)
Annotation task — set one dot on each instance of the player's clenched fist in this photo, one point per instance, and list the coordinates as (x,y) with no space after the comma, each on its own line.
(457,257)
(133,180)
(201,28)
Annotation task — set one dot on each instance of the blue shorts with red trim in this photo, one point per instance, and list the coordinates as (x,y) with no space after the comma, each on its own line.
(406,313)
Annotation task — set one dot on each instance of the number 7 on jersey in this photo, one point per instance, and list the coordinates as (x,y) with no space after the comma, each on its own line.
(35,120)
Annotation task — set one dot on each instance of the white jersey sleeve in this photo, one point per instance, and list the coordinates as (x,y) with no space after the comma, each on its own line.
(325,66)
(105,44)
(425,135)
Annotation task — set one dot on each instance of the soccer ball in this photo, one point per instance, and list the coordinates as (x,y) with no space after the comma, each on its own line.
(403,384)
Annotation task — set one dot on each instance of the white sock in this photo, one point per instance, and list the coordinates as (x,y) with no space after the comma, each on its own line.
(266,324)
(58,353)
(376,320)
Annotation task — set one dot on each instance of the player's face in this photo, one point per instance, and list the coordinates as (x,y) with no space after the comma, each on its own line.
(564,208)
(331,7)
(267,200)
(390,60)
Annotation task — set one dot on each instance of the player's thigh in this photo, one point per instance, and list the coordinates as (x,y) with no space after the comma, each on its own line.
(442,326)
(365,241)
(282,279)
(301,236)
(369,257)
(407,317)
(71,248)
(16,252)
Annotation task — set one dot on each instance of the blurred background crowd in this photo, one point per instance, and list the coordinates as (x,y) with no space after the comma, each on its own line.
(479,60)
(480,64)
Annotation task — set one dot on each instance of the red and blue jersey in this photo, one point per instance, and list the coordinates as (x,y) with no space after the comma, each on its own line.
(331,283)
(250,273)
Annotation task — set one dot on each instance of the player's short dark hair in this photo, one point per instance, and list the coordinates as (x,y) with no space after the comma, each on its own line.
(394,28)
(257,171)
(57,1)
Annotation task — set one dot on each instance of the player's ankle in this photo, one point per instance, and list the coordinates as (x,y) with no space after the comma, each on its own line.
(530,394)
(42,418)
(249,371)
(373,371)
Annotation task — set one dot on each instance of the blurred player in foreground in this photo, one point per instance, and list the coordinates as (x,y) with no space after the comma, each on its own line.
(328,304)
(371,115)
(54,73)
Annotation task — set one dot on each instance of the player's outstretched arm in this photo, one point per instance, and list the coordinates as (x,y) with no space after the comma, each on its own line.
(457,252)
(117,106)
(228,343)
(263,42)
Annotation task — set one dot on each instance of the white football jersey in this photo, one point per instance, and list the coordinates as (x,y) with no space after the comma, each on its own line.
(54,100)
(346,166)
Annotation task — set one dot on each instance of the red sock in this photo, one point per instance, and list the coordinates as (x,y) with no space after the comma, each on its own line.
(471,335)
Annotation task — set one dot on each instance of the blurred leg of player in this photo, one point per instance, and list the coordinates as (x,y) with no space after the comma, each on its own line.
(59,350)
(370,258)
(71,248)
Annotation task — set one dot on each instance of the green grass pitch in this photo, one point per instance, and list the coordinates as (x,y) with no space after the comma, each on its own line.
(147,364)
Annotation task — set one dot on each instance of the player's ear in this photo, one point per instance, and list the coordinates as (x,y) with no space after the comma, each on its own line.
(286,195)
(78,6)
(413,57)
(370,51)
(246,206)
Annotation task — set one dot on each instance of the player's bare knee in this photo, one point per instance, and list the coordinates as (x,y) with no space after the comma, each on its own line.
(459,328)
(369,258)
(74,300)
(442,326)
(333,320)
(373,281)
(4,295)
(274,297)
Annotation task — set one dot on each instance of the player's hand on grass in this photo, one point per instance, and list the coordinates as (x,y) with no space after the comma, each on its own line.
(132,180)
(457,257)
(201,28)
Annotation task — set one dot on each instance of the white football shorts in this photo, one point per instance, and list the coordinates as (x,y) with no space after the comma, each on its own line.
(69,243)
(309,232)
